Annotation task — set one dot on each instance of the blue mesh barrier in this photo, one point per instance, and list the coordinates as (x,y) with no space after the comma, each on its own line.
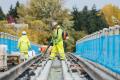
(35,48)
(12,42)
(104,50)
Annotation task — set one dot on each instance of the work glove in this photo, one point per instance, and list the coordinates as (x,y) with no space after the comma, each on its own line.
(55,42)
(51,42)
(17,49)
(30,48)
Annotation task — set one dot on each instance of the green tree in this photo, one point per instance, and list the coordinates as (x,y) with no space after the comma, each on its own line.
(80,19)
(13,11)
(44,9)
(95,22)
(16,10)
(77,21)
(88,20)
(2,15)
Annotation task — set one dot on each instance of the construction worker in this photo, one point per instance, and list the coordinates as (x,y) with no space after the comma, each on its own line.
(24,45)
(57,42)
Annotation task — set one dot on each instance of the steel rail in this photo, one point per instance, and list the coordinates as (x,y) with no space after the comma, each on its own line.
(111,73)
(13,73)
(78,69)
(66,74)
(39,70)
(96,71)
(69,69)
(45,72)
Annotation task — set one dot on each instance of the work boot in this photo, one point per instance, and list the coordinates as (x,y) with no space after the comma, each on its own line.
(58,57)
(62,59)
(51,58)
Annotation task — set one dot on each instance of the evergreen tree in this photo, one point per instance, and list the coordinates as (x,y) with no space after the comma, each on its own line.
(16,7)
(76,19)
(84,17)
(2,15)
(95,22)
(13,11)
(92,20)
(87,20)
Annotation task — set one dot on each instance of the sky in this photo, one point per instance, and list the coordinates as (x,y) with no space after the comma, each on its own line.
(5,4)
(81,3)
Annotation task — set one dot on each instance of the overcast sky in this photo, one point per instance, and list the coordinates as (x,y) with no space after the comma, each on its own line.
(5,4)
(81,3)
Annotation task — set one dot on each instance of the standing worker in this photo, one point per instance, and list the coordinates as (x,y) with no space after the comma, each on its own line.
(57,42)
(24,45)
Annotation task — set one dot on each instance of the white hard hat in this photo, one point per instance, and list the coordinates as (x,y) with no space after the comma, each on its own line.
(54,23)
(24,33)
(58,26)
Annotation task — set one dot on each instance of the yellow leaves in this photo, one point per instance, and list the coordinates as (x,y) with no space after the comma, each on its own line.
(98,14)
(22,10)
(37,23)
(119,15)
(109,12)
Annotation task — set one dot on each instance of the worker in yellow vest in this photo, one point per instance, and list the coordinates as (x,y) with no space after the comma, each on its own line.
(24,45)
(57,42)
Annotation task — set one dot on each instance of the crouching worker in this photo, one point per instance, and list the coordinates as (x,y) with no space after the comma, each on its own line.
(24,45)
(57,42)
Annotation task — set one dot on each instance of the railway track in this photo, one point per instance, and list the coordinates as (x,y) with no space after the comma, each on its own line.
(18,70)
(94,70)
(73,68)
(58,70)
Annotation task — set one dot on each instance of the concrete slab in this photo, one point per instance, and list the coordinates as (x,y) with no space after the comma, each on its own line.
(56,71)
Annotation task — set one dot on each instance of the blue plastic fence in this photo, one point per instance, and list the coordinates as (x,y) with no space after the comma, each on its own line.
(102,47)
(12,41)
